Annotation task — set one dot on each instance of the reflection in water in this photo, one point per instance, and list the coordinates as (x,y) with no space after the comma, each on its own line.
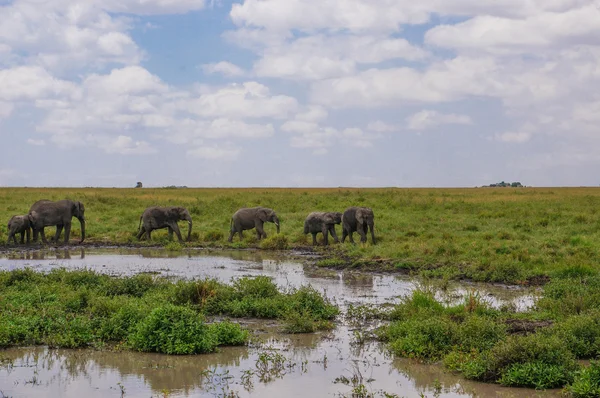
(312,362)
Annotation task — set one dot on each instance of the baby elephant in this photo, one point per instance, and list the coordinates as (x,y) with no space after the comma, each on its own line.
(19,224)
(164,217)
(254,217)
(358,219)
(323,222)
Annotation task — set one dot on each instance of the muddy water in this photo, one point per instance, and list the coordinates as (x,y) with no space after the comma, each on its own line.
(273,366)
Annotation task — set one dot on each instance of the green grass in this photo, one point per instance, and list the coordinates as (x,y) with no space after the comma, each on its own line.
(83,308)
(478,342)
(486,234)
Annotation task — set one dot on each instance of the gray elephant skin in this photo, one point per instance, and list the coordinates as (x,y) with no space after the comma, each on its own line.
(19,225)
(164,217)
(358,219)
(253,217)
(323,222)
(46,213)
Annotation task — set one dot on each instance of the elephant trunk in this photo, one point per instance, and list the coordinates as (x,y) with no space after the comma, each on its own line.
(189,229)
(82,221)
(276,221)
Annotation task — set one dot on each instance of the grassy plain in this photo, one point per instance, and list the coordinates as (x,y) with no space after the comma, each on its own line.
(486,234)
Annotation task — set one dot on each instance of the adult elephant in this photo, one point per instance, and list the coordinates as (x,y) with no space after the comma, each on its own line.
(46,213)
(19,225)
(253,217)
(323,222)
(358,219)
(164,217)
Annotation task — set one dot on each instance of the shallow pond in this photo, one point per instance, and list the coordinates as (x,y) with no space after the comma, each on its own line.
(322,364)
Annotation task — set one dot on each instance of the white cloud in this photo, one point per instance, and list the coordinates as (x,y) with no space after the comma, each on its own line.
(382,127)
(514,136)
(319,57)
(35,142)
(215,153)
(426,119)
(319,138)
(540,31)
(225,68)
(247,100)
(32,83)
(122,145)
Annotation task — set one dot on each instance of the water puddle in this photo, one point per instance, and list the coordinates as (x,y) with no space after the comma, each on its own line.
(321,364)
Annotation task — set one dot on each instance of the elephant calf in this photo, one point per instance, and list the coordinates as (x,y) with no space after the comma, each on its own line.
(323,222)
(358,219)
(249,218)
(164,217)
(19,225)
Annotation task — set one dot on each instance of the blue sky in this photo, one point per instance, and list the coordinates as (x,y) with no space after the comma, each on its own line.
(299,93)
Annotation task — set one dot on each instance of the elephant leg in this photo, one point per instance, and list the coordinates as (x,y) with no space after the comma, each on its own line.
(241,235)
(141,232)
(59,229)
(175,228)
(260,230)
(372,234)
(14,238)
(43,235)
(23,237)
(325,232)
(28,235)
(314,235)
(149,233)
(333,234)
(231,235)
(350,233)
(67,233)
(361,231)
(344,234)
(35,235)
(170,233)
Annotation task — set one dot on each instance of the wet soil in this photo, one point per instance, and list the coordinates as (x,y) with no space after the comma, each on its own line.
(274,365)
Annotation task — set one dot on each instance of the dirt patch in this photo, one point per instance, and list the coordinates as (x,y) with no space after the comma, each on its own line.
(523,326)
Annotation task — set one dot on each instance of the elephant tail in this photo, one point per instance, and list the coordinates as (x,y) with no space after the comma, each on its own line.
(231,224)
(140,225)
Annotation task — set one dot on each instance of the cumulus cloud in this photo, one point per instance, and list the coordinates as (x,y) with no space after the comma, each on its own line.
(319,138)
(225,68)
(426,119)
(382,127)
(35,142)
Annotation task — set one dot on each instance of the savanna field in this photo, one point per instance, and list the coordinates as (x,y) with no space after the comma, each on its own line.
(486,234)
(542,236)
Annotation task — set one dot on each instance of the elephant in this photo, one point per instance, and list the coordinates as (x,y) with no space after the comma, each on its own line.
(19,224)
(359,219)
(323,222)
(253,217)
(46,213)
(164,217)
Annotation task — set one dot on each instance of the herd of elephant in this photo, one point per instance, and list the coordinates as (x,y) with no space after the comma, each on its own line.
(46,213)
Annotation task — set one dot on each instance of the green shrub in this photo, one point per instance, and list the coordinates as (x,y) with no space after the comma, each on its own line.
(581,334)
(479,333)
(228,333)
(539,375)
(296,322)
(213,236)
(171,329)
(427,339)
(259,287)
(174,246)
(586,383)
(274,242)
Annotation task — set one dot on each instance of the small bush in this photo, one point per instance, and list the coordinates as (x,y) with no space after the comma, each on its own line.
(275,242)
(296,322)
(427,339)
(586,383)
(539,375)
(213,236)
(581,334)
(173,246)
(259,287)
(171,329)
(228,333)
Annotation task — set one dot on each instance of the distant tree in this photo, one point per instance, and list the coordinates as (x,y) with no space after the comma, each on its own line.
(516,185)
(138,185)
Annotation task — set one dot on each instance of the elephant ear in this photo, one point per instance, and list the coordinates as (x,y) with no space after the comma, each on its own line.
(262,215)
(360,217)
(79,209)
(32,217)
